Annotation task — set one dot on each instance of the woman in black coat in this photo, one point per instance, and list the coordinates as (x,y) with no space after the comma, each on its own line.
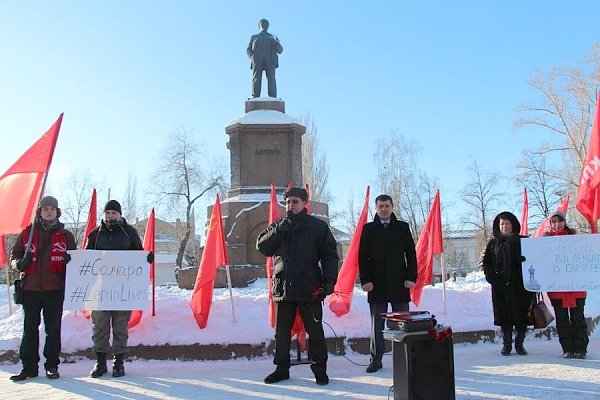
(501,263)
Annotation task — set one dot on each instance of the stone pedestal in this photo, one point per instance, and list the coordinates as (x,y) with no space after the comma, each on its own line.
(265,147)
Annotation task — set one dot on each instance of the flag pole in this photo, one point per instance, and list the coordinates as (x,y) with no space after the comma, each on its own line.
(443,282)
(8,289)
(230,292)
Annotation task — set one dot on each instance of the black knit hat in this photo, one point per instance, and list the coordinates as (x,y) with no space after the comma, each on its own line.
(295,192)
(113,205)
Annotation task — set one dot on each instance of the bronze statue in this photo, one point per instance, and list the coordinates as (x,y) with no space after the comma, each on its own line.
(262,51)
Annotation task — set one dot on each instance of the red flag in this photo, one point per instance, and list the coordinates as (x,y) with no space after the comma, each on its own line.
(136,315)
(21,184)
(2,251)
(545,225)
(341,299)
(213,256)
(308,199)
(91,219)
(428,245)
(90,226)
(525,215)
(149,245)
(274,215)
(588,196)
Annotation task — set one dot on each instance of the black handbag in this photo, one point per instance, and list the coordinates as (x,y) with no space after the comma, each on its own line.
(539,313)
(18,294)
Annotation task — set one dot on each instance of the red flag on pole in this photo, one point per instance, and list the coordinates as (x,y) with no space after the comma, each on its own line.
(148,245)
(308,200)
(213,256)
(2,251)
(90,226)
(588,195)
(21,184)
(428,245)
(545,225)
(91,219)
(525,215)
(341,298)
(274,215)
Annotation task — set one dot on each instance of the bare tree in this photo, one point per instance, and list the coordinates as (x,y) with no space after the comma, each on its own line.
(481,196)
(315,170)
(545,187)
(76,194)
(183,176)
(397,175)
(566,109)
(130,198)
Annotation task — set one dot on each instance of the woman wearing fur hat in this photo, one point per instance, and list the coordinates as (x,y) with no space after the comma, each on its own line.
(42,264)
(568,306)
(114,233)
(501,263)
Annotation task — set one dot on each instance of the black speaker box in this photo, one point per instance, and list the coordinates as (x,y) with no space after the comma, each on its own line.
(423,369)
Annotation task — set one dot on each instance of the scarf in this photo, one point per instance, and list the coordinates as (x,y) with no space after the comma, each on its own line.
(58,248)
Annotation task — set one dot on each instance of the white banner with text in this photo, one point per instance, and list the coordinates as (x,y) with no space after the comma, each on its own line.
(107,280)
(561,263)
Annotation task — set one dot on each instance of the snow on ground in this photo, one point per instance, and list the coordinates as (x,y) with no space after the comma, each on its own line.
(480,372)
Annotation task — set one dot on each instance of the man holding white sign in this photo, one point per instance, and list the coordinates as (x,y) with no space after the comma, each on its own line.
(114,233)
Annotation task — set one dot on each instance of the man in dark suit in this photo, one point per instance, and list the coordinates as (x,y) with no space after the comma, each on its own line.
(262,51)
(388,269)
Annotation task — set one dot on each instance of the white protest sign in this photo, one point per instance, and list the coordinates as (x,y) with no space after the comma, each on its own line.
(561,263)
(107,280)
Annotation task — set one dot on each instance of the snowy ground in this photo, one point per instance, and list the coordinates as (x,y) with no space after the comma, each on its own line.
(480,372)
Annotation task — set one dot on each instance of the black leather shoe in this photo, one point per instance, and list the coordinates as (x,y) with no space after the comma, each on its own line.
(506,349)
(321,379)
(277,376)
(24,374)
(580,356)
(52,373)
(568,354)
(374,367)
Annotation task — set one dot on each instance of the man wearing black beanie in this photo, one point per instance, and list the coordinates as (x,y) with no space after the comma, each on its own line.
(114,233)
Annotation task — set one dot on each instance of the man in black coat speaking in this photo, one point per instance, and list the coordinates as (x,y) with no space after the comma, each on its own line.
(306,267)
(388,269)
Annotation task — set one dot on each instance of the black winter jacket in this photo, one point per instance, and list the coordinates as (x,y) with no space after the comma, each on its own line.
(387,258)
(501,264)
(121,237)
(305,258)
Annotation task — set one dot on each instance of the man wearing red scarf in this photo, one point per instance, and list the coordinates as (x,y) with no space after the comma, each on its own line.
(42,266)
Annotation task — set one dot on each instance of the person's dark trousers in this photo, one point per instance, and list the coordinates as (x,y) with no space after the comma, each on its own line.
(571,327)
(50,305)
(377,326)
(311,314)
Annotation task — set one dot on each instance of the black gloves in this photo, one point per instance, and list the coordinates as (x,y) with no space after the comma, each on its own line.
(150,258)
(24,262)
(324,291)
(67,258)
(284,227)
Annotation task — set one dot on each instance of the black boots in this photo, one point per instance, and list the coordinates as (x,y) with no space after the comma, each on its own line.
(519,338)
(277,376)
(507,342)
(118,368)
(24,374)
(374,366)
(100,367)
